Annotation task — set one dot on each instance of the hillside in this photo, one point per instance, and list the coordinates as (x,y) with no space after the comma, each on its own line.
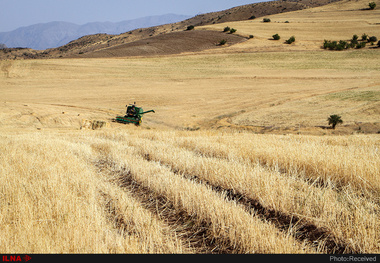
(167,44)
(92,43)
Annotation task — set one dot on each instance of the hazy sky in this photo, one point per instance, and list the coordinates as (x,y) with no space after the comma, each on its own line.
(18,13)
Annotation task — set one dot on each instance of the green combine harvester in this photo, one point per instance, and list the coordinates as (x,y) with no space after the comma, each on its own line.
(134,115)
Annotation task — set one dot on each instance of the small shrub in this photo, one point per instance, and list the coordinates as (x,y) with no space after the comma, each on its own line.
(342,45)
(326,44)
(252,17)
(266,20)
(226,29)
(276,37)
(372,39)
(334,45)
(360,45)
(222,42)
(232,30)
(290,40)
(191,27)
(251,36)
(372,5)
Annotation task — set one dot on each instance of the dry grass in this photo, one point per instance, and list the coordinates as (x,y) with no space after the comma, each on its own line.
(53,201)
(281,90)
(145,191)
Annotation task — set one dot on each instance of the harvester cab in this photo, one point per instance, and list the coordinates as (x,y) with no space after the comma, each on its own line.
(133,115)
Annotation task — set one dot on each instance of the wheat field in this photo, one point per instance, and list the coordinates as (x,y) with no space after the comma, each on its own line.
(141,191)
(238,157)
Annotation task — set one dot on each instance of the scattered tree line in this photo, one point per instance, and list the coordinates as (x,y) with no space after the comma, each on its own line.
(352,43)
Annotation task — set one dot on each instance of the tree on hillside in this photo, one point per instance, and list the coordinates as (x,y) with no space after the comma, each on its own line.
(227,29)
(232,30)
(334,120)
(372,5)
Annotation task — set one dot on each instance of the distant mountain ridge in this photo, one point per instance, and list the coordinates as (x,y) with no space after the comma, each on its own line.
(54,34)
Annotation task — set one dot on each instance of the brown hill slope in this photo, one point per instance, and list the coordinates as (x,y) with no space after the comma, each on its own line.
(166,44)
(92,43)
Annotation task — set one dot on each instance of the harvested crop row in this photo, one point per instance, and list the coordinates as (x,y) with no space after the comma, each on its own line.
(286,194)
(131,219)
(227,221)
(181,227)
(49,201)
(340,162)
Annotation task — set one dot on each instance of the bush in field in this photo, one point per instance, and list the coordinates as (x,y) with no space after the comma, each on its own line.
(355,38)
(290,40)
(361,45)
(232,30)
(372,39)
(191,27)
(276,37)
(222,42)
(372,5)
(226,29)
(334,120)
(342,45)
(334,45)
(266,20)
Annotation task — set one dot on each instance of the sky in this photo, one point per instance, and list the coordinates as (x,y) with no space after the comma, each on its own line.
(18,13)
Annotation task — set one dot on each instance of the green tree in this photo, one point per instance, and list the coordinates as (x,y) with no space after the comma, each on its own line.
(276,37)
(227,29)
(232,30)
(372,39)
(334,120)
(222,42)
(372,5)
(290,40)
